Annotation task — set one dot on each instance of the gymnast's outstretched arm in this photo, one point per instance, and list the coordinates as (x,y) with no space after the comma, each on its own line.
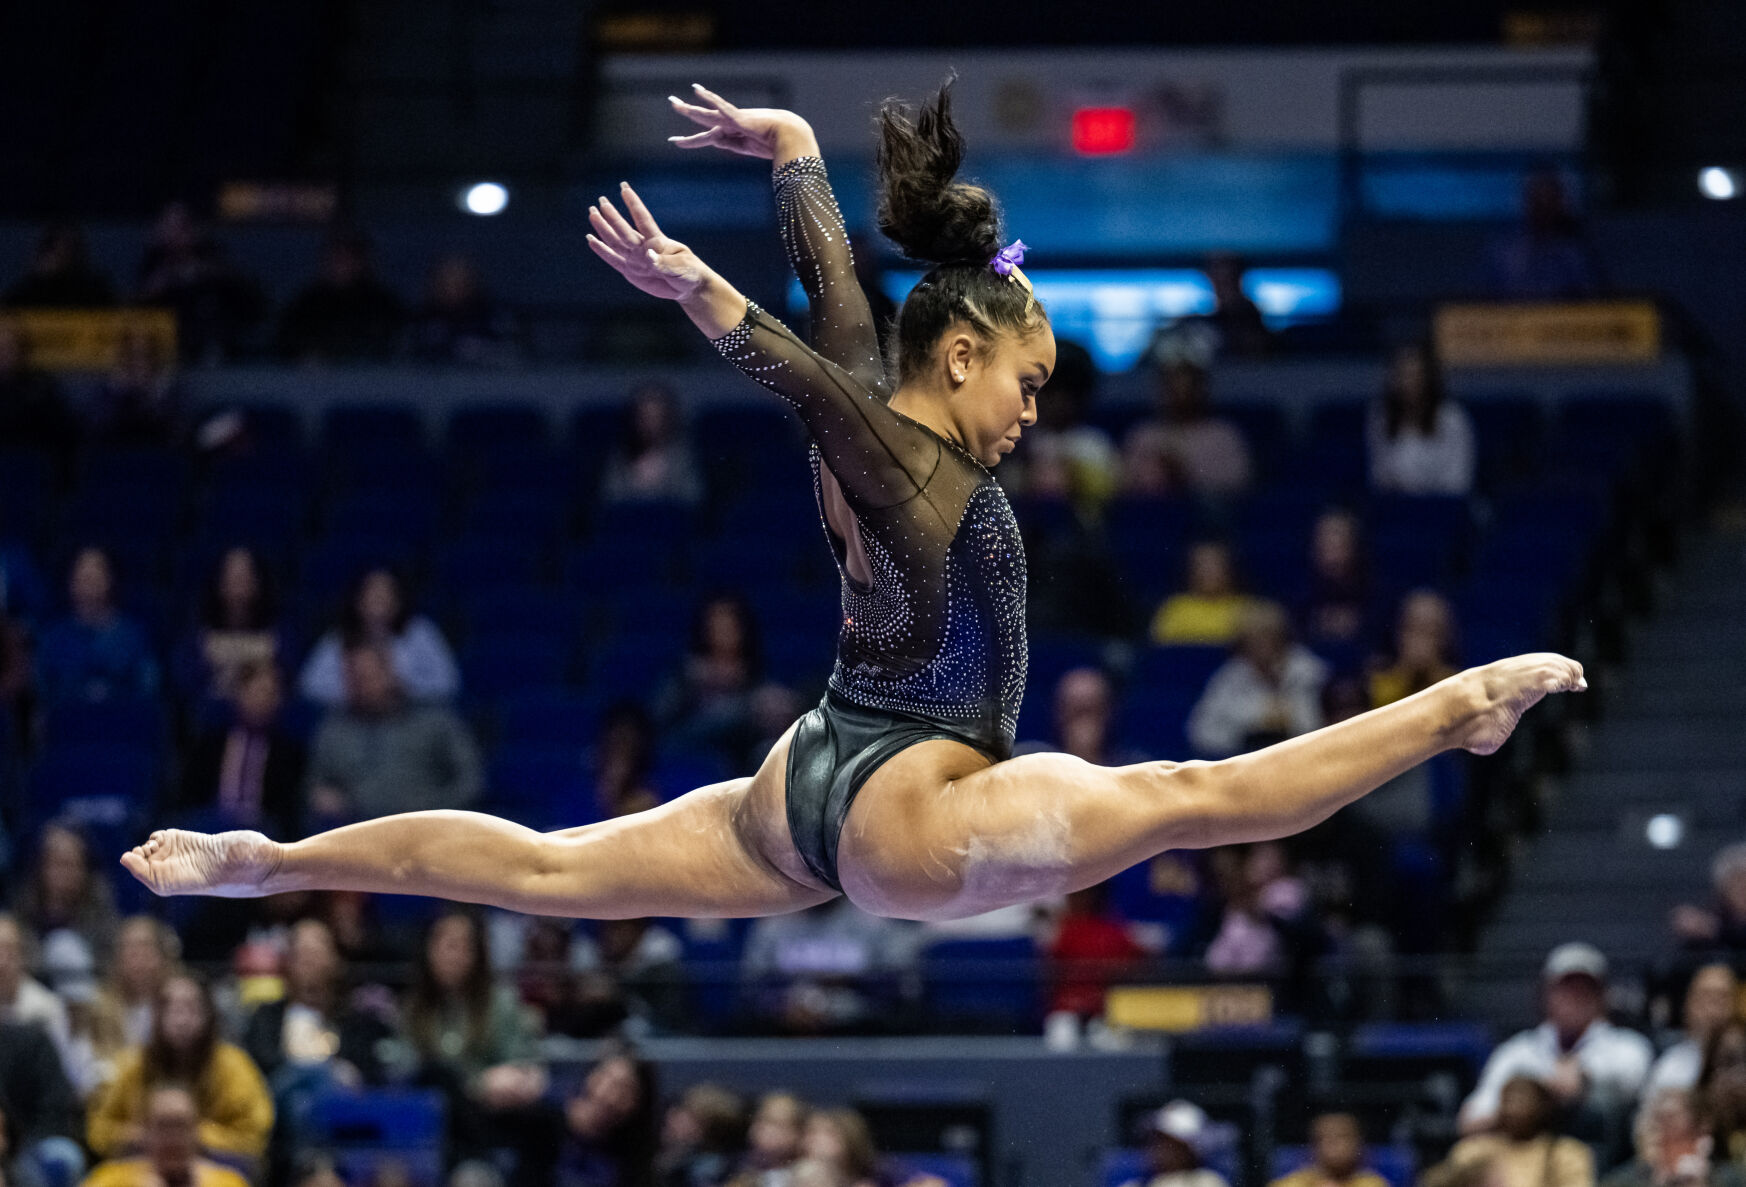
(811,224)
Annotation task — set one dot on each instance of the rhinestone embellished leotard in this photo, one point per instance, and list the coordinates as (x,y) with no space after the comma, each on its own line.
(934,645)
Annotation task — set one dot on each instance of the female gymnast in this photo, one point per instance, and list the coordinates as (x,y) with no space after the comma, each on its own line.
(898,790)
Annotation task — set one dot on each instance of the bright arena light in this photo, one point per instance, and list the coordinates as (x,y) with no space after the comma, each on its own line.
(1665,831)
(485,198)
(1718,183)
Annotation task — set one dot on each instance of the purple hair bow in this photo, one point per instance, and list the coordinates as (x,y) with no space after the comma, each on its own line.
(1008,258)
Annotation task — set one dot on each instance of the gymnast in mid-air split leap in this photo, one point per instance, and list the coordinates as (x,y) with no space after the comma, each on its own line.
(899,789)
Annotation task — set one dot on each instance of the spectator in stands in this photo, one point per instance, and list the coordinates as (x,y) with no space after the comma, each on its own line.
(39,1108)
(1547,257)
(1184,447)
(186,268)
(1176,1138)
(16,685)
(1336,1156)
(612,1125)
(1711,1000)
(1265,924)
(377,611)
(147,954)
(96,653)
(472,1041)
(234,1107)
(621,759)
(773,1142)
(170,1149)
(653,459)
(346,314)
(1091,950)
(1084,720)
(33,408)
(458,322)
(1241,330)
(837,1151)
(707,705)
(61,274)
(1525,1150)
(382,754)
(1675,1146)
(1270,689)
(632,972)
(63,892)
(1722,1085)
(1424,649)
(1720,927)
(1211,610)
(239,625)
(832,968)
(703,1137)
(1336,605)
(1592,1069)
(24,1000)
(248,774)
(1420,441)
(313,1034)
(140,402)
(312,1040)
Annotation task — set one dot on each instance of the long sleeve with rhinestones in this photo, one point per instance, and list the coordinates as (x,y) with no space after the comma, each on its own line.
(817,243)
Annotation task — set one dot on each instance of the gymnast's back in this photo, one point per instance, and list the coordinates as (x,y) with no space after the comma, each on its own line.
(937,634)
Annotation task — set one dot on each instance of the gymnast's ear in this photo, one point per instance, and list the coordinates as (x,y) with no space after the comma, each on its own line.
(959,350)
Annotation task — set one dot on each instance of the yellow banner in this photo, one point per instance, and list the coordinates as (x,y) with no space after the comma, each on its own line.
(1604,333)
(90,339)
(1182,1008)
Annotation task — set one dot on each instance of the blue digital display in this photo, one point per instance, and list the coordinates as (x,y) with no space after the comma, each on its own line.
(1115,311)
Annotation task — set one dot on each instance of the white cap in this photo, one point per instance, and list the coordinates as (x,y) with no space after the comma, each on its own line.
(1569,960)
(1183,1121)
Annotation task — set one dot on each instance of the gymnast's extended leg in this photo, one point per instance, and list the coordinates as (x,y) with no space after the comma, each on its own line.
(711,853)
(940,833)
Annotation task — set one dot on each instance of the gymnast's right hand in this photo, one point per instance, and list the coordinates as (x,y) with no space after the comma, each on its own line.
(660,266)
(749,131)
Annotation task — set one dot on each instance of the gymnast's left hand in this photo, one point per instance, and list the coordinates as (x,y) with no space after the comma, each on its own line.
(749,131)
(637,250)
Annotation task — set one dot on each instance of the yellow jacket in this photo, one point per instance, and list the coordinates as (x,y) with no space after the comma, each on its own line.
(1190,618)
(137,1172)
(236,1110)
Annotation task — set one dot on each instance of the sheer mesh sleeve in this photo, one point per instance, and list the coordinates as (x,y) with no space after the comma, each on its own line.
(879,457)
(817,244)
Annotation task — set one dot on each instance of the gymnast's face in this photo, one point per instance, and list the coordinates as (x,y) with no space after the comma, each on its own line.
(994,387)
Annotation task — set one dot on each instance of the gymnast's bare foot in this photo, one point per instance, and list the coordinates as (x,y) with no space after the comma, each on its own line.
(229,865)
(1505,690)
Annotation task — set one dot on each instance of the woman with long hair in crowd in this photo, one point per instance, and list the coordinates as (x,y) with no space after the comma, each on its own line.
(377,611)
(899,790)
(236,1110)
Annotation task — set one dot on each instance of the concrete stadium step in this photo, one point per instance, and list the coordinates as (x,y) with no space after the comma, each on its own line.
(1709,798)
(1672,744)
(1571,858)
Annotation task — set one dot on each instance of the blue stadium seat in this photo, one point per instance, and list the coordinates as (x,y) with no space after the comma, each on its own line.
(404,516)
(990,985)
(353,428)
(633,664)
(1150,522)
(526,472)
(517,608)
(1338,422)
(600,569)
(595,430)
(653,522)
(1186,666)
(128,725)
(955,1170)
(25,489)
(254,513)
(675,774)
(1507,436)
(408,473)
(791,512)
(542,787)
(331,566)
(474,567)
(508,425)
(271,426)
(748,563)
(504,664)
(1262,423)
(101,786)
(516,515)
(1170,889)
(648,613)
(128,468)
(365,1130)
(548,718)
(137,515)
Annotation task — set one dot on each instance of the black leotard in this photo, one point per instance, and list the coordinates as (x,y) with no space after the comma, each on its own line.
(934,646)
